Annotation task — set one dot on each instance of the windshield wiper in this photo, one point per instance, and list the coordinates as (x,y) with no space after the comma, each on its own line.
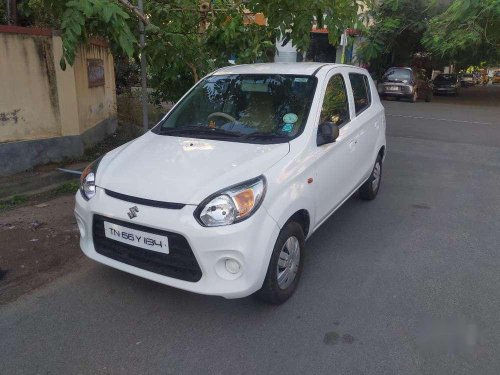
(193,129)
(262,135)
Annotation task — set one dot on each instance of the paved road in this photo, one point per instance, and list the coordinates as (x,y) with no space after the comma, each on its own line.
(406,284)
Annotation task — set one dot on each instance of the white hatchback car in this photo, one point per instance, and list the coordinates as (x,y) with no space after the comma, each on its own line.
(221,195)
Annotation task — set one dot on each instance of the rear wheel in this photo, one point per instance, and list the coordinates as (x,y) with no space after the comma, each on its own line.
(368,191)
(285,266)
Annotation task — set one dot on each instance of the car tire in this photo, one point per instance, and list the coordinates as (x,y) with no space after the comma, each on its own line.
(369,190)
(287,259)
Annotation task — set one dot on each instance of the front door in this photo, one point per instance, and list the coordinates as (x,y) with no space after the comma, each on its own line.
(335,163)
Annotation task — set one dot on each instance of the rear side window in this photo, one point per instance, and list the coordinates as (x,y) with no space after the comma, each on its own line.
(335,105)
(360,91)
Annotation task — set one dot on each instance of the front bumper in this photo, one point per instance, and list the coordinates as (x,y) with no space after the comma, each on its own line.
(445,90)
(249,242)
(403,91)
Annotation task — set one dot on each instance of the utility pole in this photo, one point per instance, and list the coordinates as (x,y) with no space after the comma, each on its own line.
(343,43)
(144,79)
(11,12)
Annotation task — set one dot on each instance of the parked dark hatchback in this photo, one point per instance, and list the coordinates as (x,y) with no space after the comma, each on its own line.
(447,84)
(406,83)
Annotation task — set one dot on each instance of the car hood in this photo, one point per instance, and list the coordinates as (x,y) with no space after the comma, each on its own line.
(183,170)
(444,84)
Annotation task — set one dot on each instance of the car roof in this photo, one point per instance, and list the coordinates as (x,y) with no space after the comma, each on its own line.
(400,67)
(300,68)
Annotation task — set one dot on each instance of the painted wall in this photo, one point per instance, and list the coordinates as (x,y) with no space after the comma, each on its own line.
(95,104)
(29,103)
(38,100)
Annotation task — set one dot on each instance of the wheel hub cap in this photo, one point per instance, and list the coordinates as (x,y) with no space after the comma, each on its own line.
(376,176)
(288,262)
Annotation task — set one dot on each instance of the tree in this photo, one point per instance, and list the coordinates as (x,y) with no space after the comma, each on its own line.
(396,33)
(188,38)
(467,32)
(187,43)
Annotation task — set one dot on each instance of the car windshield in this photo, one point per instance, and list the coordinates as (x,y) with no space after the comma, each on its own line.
(446,78)
(397,75)
(497,74)
(243,108)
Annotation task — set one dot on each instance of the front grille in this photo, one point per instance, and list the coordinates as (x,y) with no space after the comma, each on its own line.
(144,202)
(180,263)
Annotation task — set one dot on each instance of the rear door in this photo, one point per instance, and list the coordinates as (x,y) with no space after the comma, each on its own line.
(366,122)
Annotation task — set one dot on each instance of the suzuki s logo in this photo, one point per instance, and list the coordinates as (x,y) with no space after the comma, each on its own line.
(132,212)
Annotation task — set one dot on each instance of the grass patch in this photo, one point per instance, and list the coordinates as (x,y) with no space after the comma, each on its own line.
(16,200)
(69,187)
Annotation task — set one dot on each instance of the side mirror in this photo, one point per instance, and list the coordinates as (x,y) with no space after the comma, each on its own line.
(328,132)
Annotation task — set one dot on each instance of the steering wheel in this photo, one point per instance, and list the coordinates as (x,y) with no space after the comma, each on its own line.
(221,114)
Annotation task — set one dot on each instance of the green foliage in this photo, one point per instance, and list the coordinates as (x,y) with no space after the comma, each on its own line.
(67,188)
(179,53)
(468,32)
(296,17)
(42,13)
(3,12)
(183,43)
(396,33)
(85,18)
(14,201)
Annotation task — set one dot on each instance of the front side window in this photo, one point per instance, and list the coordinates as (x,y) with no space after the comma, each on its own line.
(243,108)
(360,91)
(335,104)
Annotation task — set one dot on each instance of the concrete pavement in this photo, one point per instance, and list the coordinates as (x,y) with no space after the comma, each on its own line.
(406,284)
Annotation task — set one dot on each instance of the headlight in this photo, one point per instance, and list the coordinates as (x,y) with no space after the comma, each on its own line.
(232,205)
(87,179)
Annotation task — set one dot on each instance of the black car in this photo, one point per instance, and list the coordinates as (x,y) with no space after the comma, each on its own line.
(447,84)
(405,83)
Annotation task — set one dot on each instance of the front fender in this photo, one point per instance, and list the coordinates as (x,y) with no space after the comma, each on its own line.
(291,190)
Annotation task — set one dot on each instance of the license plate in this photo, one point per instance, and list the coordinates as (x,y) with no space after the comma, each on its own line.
(392,88)
(138,238)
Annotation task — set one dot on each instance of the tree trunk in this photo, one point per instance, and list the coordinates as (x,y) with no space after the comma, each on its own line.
(194,71)
(136,11)
(11,12)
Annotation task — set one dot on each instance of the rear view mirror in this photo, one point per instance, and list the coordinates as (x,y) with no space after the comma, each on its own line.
(327,133)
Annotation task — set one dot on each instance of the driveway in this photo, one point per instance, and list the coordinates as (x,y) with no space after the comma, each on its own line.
(406,284)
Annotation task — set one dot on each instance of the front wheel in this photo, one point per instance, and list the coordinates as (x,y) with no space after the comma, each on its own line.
(285,266)
(368,191)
